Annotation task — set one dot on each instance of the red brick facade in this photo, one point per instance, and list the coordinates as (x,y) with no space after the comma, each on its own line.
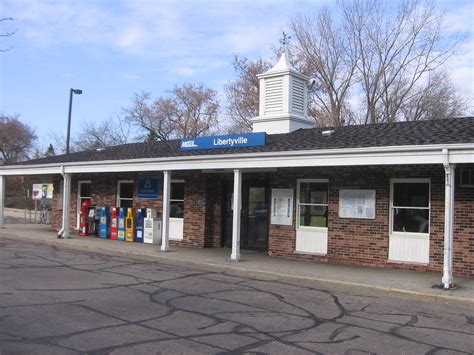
(350,241)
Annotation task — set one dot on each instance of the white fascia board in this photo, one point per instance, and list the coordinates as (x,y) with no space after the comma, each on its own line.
(263,162)
(30,170)
(396,155)
(461,156)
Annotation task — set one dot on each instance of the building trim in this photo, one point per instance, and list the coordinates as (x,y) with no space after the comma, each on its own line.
(396,155)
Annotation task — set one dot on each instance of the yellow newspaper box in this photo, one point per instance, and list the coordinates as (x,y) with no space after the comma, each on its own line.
(130,225)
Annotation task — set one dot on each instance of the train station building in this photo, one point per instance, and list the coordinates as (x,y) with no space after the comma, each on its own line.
(396,195)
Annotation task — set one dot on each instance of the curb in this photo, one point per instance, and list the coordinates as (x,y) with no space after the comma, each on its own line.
(162,256)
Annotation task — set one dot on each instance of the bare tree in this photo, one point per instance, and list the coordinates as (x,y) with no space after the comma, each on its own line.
(243,93)
(188,111)
(151,116)
(16,140)
(375,60)
(6,34)
(102,134)
(323,52)
(437,98)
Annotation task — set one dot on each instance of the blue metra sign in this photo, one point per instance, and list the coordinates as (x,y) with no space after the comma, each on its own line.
(147,186)
(226,141)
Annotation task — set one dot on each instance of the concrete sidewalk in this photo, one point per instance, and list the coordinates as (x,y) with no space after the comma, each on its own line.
(398,281)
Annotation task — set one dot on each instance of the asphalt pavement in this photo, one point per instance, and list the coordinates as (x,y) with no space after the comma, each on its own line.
(55,300)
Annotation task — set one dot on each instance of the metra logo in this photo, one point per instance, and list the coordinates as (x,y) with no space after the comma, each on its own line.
(188,144)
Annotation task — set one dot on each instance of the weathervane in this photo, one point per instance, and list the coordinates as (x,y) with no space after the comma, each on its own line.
(285,41)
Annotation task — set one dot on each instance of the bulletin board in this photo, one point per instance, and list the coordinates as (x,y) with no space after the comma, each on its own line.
(357,204)
(282,207)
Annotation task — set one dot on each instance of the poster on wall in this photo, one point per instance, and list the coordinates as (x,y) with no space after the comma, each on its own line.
(147,187)
(357,204)
(282,207)
(42,191)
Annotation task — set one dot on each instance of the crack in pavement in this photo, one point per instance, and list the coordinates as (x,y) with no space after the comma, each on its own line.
(54,298)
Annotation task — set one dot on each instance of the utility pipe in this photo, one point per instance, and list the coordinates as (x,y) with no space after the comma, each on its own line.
(449,170)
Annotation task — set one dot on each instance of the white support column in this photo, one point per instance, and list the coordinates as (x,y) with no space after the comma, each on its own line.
(165,223)
(449,169)
(237,205)
(2,201)
(66,205)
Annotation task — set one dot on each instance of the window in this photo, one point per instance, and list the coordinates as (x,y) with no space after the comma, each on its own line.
(312,203)
(83,194)
(467,177)
(410,206)
(177,199)
(125,193)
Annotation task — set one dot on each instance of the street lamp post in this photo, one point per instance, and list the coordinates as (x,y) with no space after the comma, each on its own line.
(77,92)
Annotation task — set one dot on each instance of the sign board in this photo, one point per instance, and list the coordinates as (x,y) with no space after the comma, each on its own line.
(226,141)
(147,187)
(282,207)
(42,191)
(357,204)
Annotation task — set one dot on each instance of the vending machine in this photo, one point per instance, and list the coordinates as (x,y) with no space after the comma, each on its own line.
(152,228)
(121,224)
(113,223)
(130,225)
(104,222)
(139,226)
(91,221)
(83,218)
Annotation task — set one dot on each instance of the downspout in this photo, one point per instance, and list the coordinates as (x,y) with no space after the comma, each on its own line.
(61,231)
(447,279)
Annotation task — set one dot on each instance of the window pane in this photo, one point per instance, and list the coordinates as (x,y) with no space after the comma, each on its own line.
(313,216)
(411,194)
(314,192)
(85,189)
(257,194)
(176,209)
(126,203)
(177,191)
(126,190)
(467,177)
(411,220)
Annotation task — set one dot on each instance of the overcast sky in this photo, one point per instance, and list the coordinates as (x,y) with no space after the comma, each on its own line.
(112,49)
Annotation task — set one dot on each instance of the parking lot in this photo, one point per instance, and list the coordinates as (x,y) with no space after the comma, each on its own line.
(59,300)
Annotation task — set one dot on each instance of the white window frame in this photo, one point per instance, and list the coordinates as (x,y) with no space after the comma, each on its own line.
(118,198)
(175,200)
(409,180)
(471,177)
(79,198)
(298,204)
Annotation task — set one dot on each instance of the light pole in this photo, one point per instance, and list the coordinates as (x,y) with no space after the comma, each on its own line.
(77,92)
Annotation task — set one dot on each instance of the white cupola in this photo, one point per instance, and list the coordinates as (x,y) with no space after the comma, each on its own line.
(283,105)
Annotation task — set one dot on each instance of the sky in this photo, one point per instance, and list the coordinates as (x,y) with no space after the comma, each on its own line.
(112,49)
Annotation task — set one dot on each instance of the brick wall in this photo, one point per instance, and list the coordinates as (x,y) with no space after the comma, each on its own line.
(350,241)
(365,242)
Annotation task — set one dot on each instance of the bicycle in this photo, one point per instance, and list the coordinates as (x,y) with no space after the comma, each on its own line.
(45,216)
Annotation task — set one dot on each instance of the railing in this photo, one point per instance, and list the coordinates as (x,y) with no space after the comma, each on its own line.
(42,216)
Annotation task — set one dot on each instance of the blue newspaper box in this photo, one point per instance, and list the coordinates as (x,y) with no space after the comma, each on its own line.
(104,222)
(139,225)
(121,224)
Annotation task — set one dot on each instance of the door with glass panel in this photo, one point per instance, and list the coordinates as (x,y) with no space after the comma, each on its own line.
(409,239)
(255,203)
(312,216)
(176,231)
(83,195)
(254,216)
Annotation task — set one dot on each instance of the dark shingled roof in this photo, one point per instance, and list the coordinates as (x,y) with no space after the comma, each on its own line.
(449,131)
